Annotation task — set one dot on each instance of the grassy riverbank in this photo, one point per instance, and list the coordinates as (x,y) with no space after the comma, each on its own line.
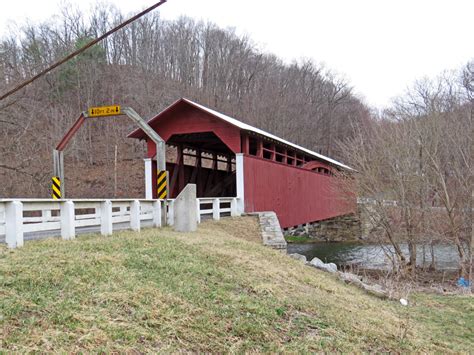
(299,239)
(212,291)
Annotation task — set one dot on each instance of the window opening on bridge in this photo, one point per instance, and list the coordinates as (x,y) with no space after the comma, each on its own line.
(290,159)
(299,160)
(279,153)
(253,146)
(268,150)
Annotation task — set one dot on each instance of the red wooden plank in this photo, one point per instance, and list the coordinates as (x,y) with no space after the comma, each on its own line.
(296,195)
(187,119)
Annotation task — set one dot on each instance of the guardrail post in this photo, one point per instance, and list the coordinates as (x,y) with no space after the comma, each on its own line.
(215,209)
(234,208)
(68,228)
(106,217)
(198,210)
(46,214)
(14,224)
(135,215)
(170,215)
(157,214)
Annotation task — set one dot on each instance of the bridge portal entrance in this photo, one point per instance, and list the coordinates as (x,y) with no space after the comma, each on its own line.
(202,159)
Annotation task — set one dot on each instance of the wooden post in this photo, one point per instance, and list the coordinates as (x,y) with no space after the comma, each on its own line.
(174,187)
(181,172)
(245,144)
(229,164)
(199,178)
(115,172)
(260,148)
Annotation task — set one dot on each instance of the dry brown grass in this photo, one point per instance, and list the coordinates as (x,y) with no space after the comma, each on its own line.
(214,290)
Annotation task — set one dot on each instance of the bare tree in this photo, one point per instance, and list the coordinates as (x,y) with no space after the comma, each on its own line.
(148,65)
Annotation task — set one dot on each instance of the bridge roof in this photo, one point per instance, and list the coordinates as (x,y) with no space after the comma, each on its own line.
(138,133)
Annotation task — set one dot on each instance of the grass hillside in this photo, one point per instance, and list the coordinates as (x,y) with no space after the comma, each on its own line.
(214,290)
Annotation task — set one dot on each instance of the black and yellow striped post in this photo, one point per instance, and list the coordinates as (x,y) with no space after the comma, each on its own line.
(56,187)
(162,184)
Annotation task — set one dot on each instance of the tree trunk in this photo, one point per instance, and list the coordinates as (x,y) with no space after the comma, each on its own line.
(412,251)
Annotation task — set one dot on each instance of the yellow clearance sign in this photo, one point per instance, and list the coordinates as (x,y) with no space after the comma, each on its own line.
(104,111)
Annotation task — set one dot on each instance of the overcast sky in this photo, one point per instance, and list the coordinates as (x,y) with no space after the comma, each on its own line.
(380,46)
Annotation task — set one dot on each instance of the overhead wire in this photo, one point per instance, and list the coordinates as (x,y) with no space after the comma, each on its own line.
(80,50)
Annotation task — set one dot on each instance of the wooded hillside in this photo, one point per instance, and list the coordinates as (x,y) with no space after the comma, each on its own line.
(148,65)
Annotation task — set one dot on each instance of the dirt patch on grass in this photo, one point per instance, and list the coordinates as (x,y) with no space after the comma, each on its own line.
(246,228)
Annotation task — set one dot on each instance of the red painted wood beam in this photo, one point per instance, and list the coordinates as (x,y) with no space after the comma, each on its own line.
(176,171)
(181,172)
(72,131)
(285,156)
(245,144)
(229,164)
(260,148)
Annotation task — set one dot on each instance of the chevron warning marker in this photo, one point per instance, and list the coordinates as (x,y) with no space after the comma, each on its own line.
(56,187)
(162,184)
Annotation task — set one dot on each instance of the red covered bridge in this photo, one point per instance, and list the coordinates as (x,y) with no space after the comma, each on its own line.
(226,157)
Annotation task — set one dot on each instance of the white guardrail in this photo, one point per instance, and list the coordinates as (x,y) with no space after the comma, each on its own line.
(35,218)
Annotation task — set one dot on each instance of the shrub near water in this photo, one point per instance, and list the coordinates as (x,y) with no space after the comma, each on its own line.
(206,291)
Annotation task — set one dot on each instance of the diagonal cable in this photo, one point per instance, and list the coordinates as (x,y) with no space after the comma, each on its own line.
(80,50)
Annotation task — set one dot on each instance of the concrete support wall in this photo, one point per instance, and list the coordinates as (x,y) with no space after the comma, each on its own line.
(185,208)
(337,229)
(272,235)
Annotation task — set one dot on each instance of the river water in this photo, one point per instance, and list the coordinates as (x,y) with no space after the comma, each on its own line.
(372,256)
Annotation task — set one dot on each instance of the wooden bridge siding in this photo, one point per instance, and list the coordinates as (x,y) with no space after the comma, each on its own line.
(296,195)
(182,120)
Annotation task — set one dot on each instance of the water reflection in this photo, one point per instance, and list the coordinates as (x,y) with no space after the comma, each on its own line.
(371,256)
